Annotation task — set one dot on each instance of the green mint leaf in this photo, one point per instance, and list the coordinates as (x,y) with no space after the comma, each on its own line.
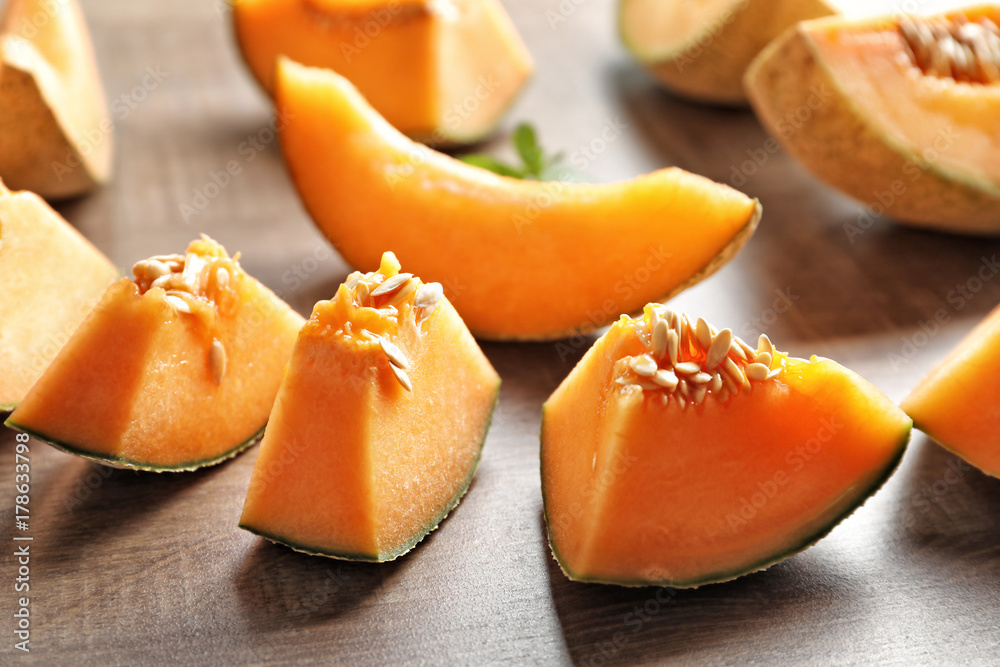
(526,143)
(490,163)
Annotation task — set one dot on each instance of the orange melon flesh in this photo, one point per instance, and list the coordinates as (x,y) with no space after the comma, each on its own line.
(639,490)
(136,385)
(438,71)
(52,276)
(958,403)
(518,259)
(957,120)
(353,465)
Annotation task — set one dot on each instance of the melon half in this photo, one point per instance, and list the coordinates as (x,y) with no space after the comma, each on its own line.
(898,112)
(379,425)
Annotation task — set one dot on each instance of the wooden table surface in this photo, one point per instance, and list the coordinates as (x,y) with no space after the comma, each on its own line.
(136,568)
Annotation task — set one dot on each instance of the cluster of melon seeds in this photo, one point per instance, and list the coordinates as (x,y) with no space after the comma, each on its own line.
(387,296)
(186,278)
(956,48)
(693,362)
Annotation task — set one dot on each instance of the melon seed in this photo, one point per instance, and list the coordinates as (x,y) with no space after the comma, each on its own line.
(757,371)
(178,303)
(673,346)
(643,365)
(428,295)
(704,333)
(402,377)
(666,379)
(392,284)
(217,360)
(687,367)
(395,355)
(719,348)
(661,333)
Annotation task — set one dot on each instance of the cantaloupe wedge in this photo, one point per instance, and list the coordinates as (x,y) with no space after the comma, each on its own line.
(898,112)
(675,454)
(702,49)
(378,427)
(52,277)
(55,133)
(441,72)
(518,259)
(958,403)
(174,370)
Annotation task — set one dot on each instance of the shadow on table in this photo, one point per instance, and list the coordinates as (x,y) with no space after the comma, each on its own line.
(614,625)
(94,502)
(949,510)
(281,590)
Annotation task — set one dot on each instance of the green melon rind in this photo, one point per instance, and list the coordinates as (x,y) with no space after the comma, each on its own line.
(121,462)
(722,577)
(426,530)
(10,407)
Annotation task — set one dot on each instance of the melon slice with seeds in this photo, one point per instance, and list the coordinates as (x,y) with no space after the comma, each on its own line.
(52,277)
(173,370)
(676,454)
(378,427)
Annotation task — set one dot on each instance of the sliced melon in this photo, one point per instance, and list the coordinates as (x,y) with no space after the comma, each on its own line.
(174,370)
(441,72)
(55,132)
(879,109)
(378,427)
(52,277)
(677,455)
(519,259)
(956,404)
(701,49)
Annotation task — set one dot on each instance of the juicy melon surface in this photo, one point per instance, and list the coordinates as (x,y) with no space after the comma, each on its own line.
(135,385)
(639,490)
(958,403)
(353,464)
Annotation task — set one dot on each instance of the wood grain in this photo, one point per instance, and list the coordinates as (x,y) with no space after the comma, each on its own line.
(135,568)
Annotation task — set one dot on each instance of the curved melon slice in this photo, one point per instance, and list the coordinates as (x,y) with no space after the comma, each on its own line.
(441,72)
(701,49)
(518,259)
(174,370)
(55,133)
(956,404)
(674,454)
(52,277)
(878,110)
(379,424)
